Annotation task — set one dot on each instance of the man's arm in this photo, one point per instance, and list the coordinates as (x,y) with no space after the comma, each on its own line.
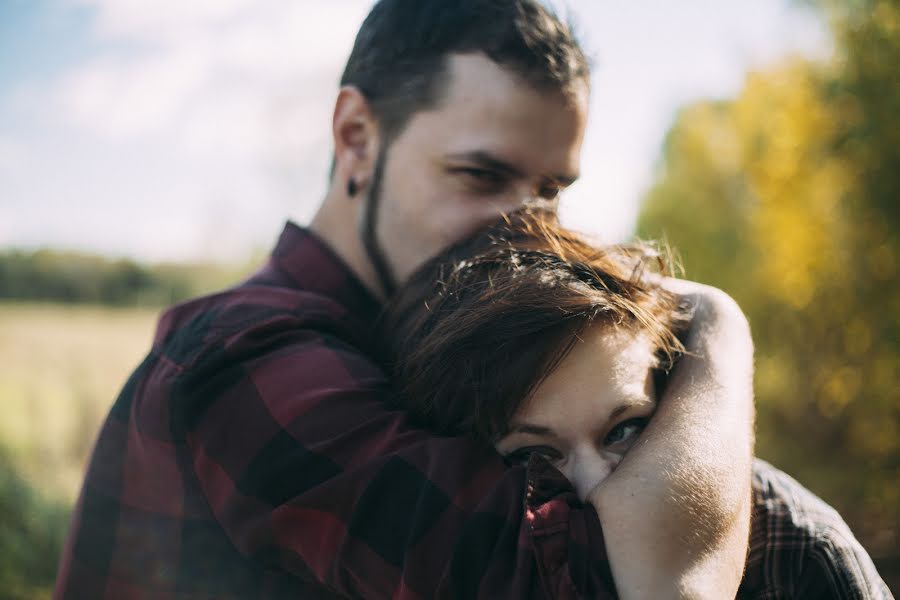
(308,472)
(680,501)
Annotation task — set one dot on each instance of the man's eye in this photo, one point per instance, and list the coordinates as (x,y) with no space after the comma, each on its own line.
(482,177)
(550,192)
(626,432)
(521,455)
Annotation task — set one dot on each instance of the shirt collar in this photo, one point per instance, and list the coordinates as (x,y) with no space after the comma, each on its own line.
(303,260)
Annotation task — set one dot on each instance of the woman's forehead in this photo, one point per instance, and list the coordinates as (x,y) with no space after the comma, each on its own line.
(607,368)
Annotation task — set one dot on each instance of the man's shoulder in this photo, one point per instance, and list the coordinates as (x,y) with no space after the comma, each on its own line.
(799,542)
(252,322)
(788,503)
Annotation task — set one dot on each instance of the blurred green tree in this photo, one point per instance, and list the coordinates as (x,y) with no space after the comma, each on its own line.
(788,198)
(71,277)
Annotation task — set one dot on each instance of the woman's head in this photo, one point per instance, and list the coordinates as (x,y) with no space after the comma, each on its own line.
(512,324)
(589,411)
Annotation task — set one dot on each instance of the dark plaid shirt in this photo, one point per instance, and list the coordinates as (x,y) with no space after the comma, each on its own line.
(801,548)
(251,455)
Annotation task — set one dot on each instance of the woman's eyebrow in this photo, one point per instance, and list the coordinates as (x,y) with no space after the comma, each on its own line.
(637,402)
(529,428)
(620,409)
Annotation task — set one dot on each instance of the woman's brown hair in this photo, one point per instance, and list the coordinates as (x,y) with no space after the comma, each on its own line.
(478,328)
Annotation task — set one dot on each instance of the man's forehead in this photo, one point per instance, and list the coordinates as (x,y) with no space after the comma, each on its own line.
(475,77)
(517,145)
(491,117)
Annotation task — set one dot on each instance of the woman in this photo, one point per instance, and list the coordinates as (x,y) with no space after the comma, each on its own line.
(551,349)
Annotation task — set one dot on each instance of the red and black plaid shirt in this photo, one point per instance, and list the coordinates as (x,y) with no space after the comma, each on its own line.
(251,455)
(801,548)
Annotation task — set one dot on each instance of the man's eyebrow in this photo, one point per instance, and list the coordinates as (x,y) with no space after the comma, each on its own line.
(529,428)
(488,161)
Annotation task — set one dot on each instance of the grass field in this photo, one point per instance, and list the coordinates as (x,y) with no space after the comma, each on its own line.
(60,370)
(61,367)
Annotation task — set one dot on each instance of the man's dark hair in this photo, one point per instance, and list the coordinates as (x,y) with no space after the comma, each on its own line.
(399,59)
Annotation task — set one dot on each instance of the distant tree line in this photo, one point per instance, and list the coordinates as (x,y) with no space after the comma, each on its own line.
(51,275)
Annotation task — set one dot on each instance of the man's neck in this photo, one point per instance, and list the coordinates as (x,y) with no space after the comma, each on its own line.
(335,222)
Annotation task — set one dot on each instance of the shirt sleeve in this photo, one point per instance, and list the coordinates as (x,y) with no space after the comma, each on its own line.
(307,470)
(839,568)
(800,547)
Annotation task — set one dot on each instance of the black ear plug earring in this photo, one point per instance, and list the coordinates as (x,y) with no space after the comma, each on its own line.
(351,187)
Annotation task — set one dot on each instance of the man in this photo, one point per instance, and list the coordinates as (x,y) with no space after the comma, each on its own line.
(252,455)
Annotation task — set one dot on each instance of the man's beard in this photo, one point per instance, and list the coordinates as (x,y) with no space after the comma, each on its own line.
(368,228)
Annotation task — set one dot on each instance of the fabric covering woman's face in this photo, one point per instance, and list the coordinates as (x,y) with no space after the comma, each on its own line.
(590,410)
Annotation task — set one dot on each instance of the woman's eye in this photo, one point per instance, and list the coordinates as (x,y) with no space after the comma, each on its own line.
(625,432)
(521,455)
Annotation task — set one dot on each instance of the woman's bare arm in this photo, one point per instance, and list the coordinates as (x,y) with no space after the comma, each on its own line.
(676,512)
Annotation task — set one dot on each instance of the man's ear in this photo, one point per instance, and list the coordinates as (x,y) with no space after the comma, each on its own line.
(355,132)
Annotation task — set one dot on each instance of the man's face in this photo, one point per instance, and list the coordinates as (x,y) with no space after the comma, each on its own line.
(493,143)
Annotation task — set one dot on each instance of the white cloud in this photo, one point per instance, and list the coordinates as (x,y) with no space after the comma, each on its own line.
(12,154)
(159,19)
(6,232)
(122,98)
(210,76)
(195,121)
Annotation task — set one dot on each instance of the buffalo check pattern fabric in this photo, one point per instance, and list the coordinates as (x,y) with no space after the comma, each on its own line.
(251,455)
(801,548)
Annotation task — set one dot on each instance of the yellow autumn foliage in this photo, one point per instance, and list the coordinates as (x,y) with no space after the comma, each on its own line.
(788,198)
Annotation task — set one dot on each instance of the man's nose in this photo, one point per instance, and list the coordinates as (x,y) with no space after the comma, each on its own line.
(520,195)
(515,198)
(587,469)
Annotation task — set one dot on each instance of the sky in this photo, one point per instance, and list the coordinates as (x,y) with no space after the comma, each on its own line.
(167,130)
